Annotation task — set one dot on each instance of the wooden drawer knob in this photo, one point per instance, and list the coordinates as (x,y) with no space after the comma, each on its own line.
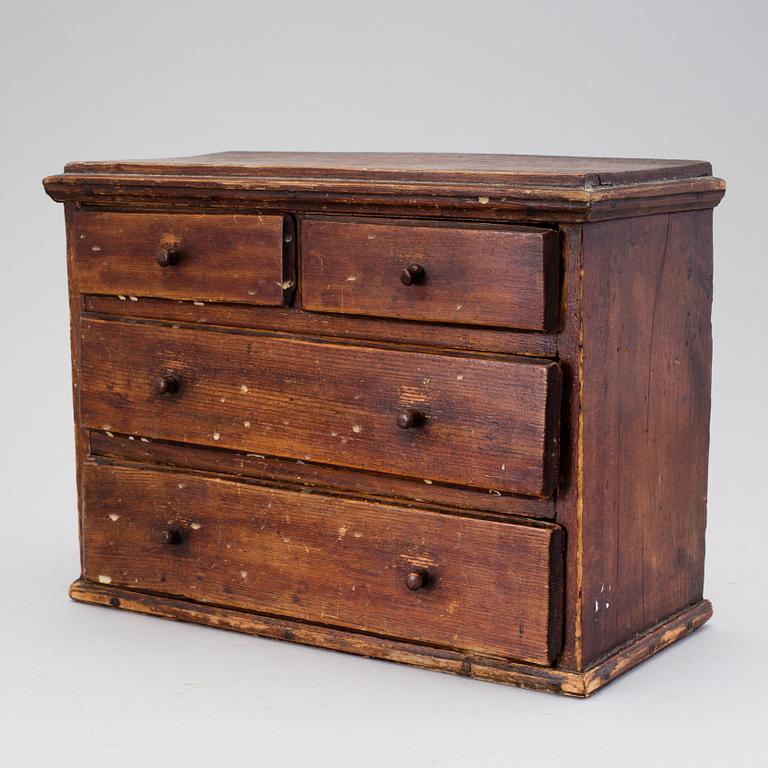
(410,417)
(168,257)
(174,535)
(413,274)
(168,384)
(417,579)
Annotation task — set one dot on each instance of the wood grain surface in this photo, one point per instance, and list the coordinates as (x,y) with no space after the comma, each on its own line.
(646,389)
(221,258)
(479,667)
(323,477)
(294,320)
(404,166)
(491,587)
(473,275)
(488,423)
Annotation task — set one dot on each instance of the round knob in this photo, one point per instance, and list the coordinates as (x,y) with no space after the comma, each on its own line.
(410,417)
(174,535)
(167,257)
(167,385)
(416,579)
(413,274)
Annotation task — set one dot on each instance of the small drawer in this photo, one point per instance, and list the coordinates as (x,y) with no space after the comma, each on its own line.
(477,585)
(471,274)
(243,259)
(479,422)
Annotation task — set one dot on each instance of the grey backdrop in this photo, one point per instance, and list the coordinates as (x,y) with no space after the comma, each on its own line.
(103,80)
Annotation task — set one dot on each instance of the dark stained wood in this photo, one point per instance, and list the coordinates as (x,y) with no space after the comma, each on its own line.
(646,392)
(337,480)
(521,170)
(217,258)
(327,560)
(489,423)
(570,406)
(341,327)
(553,680)
(569,497)
(450,273)
(545,204)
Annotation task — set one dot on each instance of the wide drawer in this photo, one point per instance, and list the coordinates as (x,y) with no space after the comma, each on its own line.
(234,258)
(482,586)
(480,422)
(452,273)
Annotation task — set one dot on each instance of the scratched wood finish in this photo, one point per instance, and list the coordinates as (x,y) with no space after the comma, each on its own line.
(538,678)
(342,327)
(220,258)
(624,402)
(473,275)
(328,560)
(337,480)
(487,423)
(420,167)
(647,363)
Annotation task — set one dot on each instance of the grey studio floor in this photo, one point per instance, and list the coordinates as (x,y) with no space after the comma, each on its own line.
(84,686)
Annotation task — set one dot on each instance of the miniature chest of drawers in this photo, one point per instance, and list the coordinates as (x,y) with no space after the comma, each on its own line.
(448,410)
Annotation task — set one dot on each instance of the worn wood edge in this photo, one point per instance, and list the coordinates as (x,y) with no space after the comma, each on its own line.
(537,203)
(576,684)
(299,323)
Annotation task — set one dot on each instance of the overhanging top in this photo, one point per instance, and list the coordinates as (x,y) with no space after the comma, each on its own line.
(578,187)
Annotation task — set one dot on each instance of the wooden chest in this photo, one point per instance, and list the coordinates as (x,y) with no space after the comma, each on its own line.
(448,410)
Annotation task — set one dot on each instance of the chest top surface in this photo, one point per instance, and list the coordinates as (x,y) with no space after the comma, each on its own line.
(526,187)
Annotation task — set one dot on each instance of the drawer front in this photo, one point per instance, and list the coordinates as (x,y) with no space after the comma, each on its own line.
(243,259)
(482,586)
(450,273)
(472,421)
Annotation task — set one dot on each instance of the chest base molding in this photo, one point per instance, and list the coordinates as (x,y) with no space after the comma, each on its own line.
(577,684)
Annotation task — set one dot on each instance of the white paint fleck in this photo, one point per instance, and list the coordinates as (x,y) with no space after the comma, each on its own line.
(243,388)
(243,574)
(131,437)
(357,429)
(286,540)
(494,493)
(342,532)
(110,434)
(216,435)
(105,579)
(428,482)
(144,439)
(503,467)
(199,303)
(358,534)
(222,399)
(113,517)
(96,248)
(286,284)
(482,200)
(460,377)
(252,293)
(195,526)
(133,298)
(246,424)
(459,306)
(597,606)
(351,279)
(122,298)
(607,605)
(334,434)
(106,427)
(182,486)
